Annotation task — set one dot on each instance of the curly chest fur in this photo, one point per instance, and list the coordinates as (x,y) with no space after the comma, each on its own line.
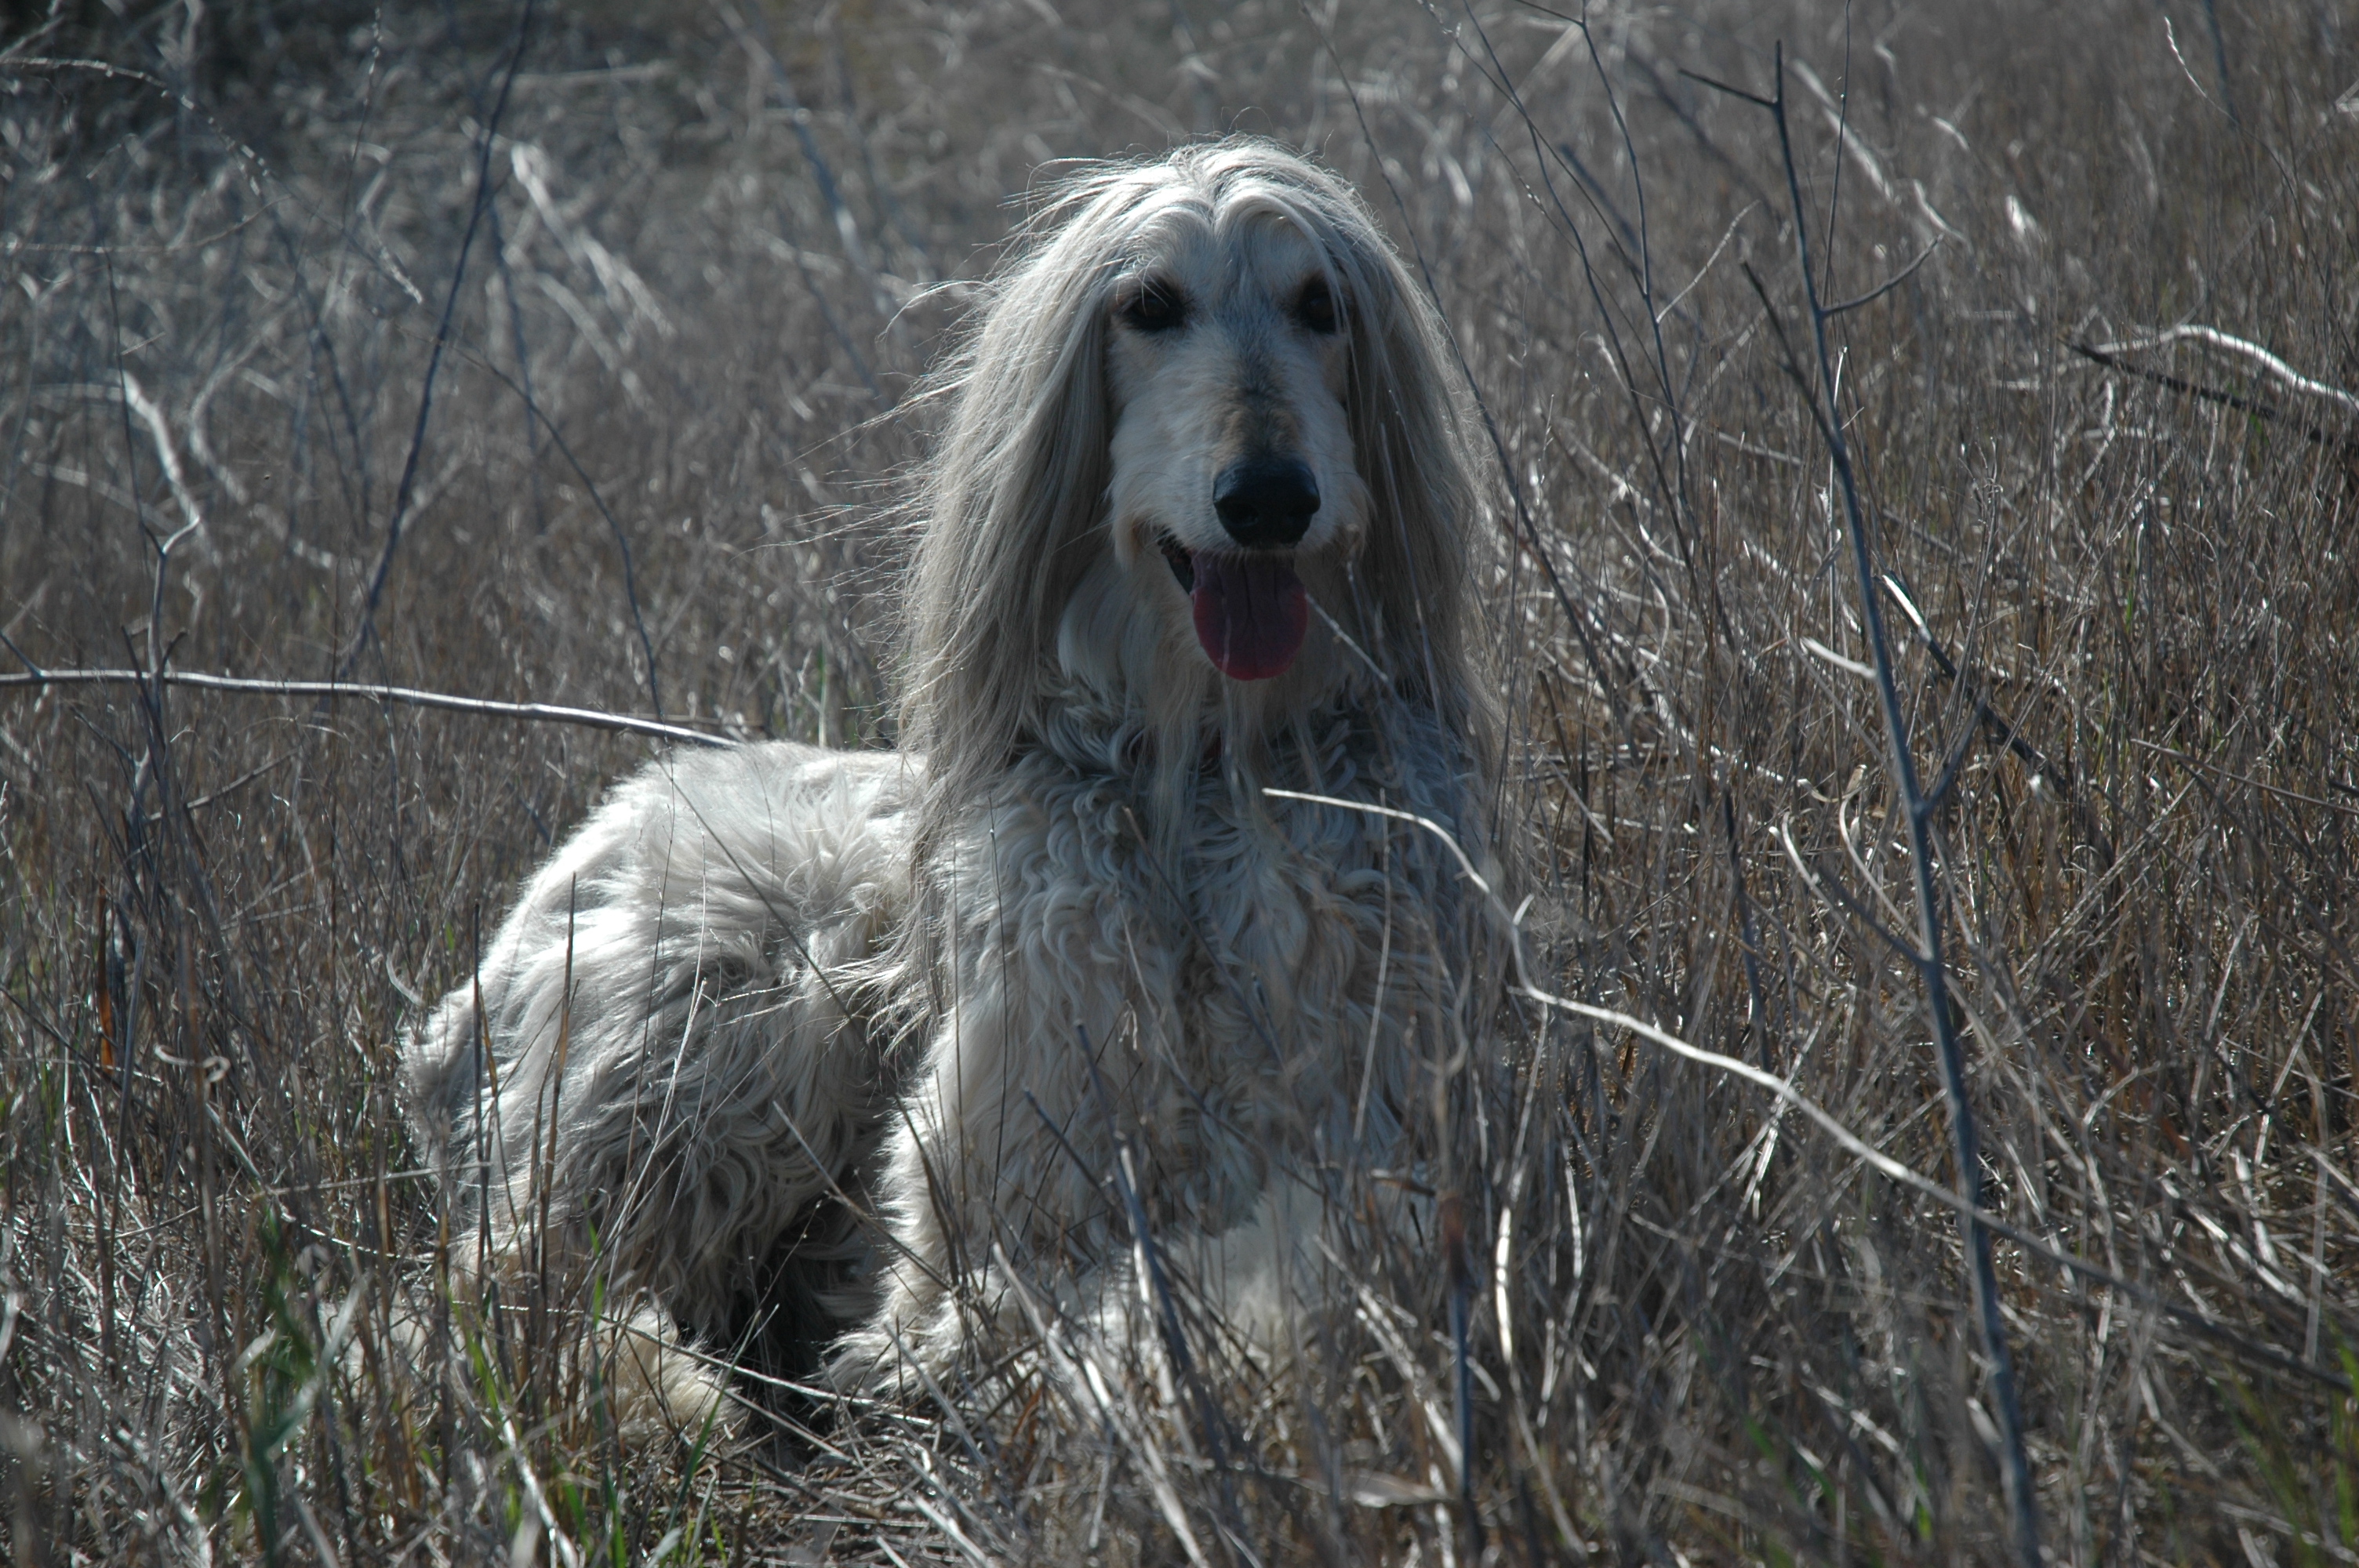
(1253,997)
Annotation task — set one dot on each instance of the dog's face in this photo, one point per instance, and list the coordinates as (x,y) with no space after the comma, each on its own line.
(1232,470)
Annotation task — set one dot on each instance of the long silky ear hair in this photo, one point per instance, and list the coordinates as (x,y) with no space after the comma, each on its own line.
(1415,577)
(1007,502)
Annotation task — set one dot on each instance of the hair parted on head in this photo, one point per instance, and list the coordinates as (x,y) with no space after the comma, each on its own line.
(1012,506)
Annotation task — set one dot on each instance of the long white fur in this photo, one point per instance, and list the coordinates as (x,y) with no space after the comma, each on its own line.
(863,1033)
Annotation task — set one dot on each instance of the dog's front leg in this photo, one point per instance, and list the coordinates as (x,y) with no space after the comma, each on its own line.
(1001,1155)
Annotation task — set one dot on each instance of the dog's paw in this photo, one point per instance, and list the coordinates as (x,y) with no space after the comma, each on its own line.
(657,1388)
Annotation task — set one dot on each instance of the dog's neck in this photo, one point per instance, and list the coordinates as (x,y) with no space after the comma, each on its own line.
(1131,699)
(1130,692)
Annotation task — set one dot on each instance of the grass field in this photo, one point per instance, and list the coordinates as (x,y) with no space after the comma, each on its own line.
(567,356)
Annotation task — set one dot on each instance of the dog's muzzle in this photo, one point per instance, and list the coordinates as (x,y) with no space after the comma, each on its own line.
(1250,608)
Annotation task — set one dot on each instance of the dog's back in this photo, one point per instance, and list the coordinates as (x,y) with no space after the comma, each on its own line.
(669,1041)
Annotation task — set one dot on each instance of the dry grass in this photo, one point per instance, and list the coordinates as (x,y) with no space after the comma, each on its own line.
(1699,1332)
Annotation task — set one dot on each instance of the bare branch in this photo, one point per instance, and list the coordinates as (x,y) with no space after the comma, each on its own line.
(2195,332)
(539,713)
(2015,1463)
(1895,281)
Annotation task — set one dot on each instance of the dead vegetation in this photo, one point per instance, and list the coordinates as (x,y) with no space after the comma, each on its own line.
(567,356)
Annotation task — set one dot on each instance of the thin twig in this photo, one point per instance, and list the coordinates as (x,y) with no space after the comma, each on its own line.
(394,522)
(2002,728)
(2196,332)
(1889,284)
(2015,1464)
(2348,445)
(534,412)
(540,712)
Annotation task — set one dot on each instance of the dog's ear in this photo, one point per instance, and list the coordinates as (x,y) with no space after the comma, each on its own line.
(1415,577)
(1015,505)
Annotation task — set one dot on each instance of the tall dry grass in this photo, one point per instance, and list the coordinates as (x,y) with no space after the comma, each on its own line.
(567,357)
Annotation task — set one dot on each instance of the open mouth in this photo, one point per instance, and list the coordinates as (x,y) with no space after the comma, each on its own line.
(1251,612)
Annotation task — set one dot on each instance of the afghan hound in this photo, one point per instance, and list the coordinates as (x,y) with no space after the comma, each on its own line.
(1137,945)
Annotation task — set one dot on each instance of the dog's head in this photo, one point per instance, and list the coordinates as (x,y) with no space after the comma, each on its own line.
(1228,365)
(1202,461)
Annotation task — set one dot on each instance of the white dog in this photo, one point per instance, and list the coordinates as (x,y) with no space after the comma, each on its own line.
(842,1054)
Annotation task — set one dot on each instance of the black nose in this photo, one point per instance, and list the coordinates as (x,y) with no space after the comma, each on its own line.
(1266,504)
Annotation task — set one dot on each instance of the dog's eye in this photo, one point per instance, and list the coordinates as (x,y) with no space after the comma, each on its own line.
(1157,307)
(1316,308)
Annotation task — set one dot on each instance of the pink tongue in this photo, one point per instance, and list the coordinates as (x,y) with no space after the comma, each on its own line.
(1251,613)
